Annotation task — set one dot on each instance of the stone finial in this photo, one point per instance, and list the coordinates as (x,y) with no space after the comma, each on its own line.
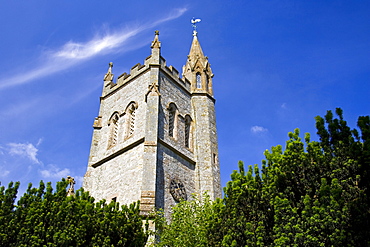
(156,43)
(71,190)
(109,76)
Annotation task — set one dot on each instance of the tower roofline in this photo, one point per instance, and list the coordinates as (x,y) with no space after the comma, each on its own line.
(195,49)
(197,69)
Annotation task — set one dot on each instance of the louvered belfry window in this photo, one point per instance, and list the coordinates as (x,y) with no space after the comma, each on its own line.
(113,125)
(132,120)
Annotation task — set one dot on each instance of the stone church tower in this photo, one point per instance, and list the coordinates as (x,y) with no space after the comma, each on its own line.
(155,139)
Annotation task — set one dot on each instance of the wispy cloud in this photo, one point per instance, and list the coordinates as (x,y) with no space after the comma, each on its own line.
(72,52)
(77,51)
(19,109)
(55,172)
(26,150)
(258,129)
(4,173)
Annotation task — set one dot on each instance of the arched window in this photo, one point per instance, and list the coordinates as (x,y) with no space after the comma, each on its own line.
(113,129)
(130,119)
(187,131)
(199,80)
(172,120)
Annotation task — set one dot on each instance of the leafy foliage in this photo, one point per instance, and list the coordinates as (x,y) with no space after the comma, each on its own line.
(189,224)
(46,218)
(313,193)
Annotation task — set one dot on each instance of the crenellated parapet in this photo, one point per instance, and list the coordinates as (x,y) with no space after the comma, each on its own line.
(137,70)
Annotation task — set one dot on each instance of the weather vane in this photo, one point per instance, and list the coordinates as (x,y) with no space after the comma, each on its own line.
(193,24)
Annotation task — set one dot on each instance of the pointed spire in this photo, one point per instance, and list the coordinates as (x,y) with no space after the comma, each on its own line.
(197,69)
(196,50)
(195,46)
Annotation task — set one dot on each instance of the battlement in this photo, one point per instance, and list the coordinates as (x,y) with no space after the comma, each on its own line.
(138,69)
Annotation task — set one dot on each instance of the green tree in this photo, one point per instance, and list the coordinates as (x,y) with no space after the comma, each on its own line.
(246,215)
(7,200)
(46,218)
(314,193)
(188,226)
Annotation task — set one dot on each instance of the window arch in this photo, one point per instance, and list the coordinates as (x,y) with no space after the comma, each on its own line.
(199,80)
(187,131)
(130,119)
(113,129)
(172,120)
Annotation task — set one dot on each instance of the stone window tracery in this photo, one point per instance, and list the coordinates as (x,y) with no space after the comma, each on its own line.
(177,190)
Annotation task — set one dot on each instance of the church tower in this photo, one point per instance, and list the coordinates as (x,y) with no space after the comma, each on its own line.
(155,138)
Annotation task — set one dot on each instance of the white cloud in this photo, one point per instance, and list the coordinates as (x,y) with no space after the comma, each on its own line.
(4,172)
(258,129)
(26,150)
(72,52)
(39,142)
(283,106)
(98,45)
(55,172)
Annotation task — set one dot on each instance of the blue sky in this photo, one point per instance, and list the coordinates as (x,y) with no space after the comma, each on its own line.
(277,65)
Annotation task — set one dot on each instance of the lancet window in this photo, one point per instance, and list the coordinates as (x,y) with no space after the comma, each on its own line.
(187,131)
(199,80)
(113,128)
(130,119)
(172,120)
(214,158)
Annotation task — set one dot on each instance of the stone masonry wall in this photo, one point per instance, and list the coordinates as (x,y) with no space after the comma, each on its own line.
(172,166)
(117,102)
(123,173)
(117,177)
(171,92)
(206,148)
